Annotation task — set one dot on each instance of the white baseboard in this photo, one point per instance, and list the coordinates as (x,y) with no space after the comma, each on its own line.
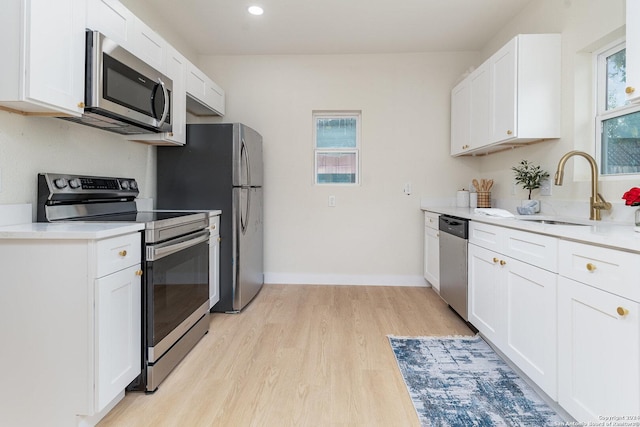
(343,279)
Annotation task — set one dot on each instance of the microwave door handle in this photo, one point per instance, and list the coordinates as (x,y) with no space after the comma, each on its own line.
(165,111)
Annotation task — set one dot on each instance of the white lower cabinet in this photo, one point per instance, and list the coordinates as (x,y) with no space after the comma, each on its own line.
(566,313)
(118,319)
(513,302)
(70,318)
(599,353)
(598,332)
(432,250)
(485,293)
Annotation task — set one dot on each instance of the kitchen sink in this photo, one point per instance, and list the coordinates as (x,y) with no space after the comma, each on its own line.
(552,221)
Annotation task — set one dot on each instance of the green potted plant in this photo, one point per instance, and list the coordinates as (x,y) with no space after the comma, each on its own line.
(530,177)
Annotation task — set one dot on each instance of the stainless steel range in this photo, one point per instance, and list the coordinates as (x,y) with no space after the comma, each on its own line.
(175,294)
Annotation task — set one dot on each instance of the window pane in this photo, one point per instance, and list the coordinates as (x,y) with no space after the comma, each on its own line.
(621,145)
(336,168)
(616,79)
(336,132)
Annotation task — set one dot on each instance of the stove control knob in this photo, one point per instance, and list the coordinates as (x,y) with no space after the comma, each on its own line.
(125,185)
(75,183)
(60,183)
(134,185)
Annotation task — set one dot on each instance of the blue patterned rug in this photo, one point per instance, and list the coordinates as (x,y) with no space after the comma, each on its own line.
(461,381)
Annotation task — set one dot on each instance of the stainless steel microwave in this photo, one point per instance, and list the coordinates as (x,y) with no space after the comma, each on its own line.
(123,94)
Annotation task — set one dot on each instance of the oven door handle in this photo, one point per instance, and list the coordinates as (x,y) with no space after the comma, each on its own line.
(160,251)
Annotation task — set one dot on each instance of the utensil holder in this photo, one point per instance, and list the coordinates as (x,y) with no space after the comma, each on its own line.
(484,199)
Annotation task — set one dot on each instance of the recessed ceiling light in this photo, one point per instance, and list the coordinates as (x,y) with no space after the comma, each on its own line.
(255,10)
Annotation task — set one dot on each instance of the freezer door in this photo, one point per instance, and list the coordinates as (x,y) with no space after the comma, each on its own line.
(247,157)
(248,236)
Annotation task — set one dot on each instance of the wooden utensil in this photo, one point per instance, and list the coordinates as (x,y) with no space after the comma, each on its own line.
(489,185)
(476,185)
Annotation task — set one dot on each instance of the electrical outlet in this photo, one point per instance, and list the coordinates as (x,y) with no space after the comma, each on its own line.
(332,201)
(407,188)
(514,188)
(545,187)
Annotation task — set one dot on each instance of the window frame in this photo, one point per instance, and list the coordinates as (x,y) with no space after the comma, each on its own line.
(601,114)
(323,114)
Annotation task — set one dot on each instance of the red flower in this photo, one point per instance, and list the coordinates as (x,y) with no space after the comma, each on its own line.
(632,197)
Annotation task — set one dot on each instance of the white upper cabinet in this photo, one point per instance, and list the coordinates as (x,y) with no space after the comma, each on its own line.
(633,51)
(149,46)
(460,117)
(480,81)
(526,89)
(204,96)
(119,24)
(42,54)
(516,99)
(113,20)
(470,111)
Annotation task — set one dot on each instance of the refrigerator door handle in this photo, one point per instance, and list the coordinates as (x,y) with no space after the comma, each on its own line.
(244,211)
(245,158)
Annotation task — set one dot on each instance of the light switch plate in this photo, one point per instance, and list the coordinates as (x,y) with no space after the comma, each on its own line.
(332,201)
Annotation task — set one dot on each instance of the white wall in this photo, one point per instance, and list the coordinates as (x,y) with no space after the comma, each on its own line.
(374,234)
(29,145)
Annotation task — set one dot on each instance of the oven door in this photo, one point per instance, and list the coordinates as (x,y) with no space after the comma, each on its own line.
(177,290)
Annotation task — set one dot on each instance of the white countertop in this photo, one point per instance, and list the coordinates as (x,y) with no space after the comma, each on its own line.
(602,233)
(68,230)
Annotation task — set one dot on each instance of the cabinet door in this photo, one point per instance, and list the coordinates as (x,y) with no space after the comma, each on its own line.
(205,97)
(113,20)
(480,82)
(176,70)
(54,54)
(598,353)
(633,51)
(432,257)
(118,322)
(460,117)
(486,305)
(503,92)
(530,338)
(149,46)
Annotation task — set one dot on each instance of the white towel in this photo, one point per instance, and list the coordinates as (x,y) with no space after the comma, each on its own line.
(494,212)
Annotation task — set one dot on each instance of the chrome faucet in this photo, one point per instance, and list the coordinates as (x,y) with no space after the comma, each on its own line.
(596,202)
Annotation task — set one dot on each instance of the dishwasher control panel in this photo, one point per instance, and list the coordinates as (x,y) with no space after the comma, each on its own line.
(453,225)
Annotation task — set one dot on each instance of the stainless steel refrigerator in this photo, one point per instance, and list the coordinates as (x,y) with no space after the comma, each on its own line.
(220,167)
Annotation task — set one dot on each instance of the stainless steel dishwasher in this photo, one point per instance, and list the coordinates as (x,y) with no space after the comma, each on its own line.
(454,234)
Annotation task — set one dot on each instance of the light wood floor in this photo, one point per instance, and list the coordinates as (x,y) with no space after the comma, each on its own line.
(297,356)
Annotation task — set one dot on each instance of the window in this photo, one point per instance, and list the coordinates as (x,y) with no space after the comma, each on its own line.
(617,122)
(337,147)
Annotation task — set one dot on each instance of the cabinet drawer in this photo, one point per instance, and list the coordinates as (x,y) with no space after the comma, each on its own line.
(486,236)
(431,220)
(117,253)
(607,269)
(534,249)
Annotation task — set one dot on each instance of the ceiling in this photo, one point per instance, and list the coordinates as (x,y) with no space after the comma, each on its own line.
(218,27)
